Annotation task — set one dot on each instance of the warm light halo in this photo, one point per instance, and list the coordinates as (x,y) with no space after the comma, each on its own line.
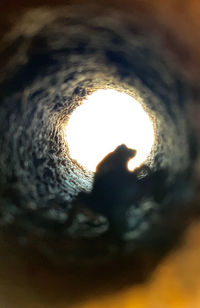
(106,119)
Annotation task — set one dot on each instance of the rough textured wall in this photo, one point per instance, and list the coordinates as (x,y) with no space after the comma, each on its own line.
(41,107)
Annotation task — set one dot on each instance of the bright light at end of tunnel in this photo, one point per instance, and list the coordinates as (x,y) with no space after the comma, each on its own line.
(106,119)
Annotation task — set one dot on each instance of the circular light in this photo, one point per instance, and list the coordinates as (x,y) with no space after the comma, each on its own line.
(106,119)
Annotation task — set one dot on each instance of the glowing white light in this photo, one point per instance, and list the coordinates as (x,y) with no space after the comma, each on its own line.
(106,119)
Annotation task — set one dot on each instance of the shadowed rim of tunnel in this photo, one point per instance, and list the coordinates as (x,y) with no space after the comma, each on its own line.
(55,282)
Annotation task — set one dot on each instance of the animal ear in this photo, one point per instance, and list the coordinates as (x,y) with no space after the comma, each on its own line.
(121,147)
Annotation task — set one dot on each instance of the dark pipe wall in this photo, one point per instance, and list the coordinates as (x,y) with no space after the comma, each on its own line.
(65,57)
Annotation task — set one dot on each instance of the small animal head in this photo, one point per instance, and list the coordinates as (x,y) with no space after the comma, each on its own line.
(124,153)
(115,160)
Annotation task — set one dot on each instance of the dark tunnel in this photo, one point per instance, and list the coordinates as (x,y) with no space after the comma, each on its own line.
(49,70)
